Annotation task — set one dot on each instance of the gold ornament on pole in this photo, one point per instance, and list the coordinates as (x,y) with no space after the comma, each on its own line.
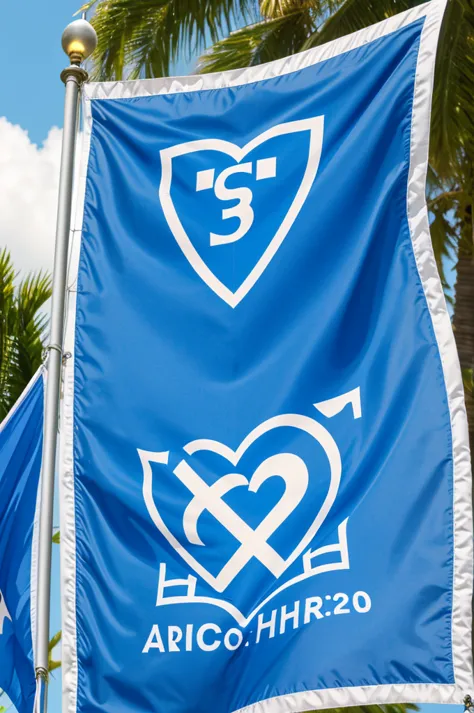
(79,40)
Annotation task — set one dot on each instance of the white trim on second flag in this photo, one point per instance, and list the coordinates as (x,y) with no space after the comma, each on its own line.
(40,374)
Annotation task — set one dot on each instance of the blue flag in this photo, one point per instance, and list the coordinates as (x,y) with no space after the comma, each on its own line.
(266,499)
(21,437)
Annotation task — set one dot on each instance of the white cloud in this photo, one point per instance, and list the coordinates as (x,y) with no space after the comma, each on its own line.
(29,177)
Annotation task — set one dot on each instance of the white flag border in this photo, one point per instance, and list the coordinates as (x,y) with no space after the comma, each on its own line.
(42,373)
(420,234)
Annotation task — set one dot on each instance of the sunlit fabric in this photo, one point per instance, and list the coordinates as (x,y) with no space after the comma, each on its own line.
(266,469)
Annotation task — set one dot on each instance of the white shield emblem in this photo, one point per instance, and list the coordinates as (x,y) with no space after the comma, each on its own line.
(243,210)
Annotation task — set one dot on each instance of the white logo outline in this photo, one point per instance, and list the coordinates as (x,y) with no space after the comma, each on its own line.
(314,125)
(329,409)
(191,598)
(224,578)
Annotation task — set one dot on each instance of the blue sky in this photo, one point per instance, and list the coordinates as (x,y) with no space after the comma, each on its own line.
(31,54)
(31,97)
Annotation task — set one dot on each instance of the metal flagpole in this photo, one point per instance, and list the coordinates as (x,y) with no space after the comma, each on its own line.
(79,41)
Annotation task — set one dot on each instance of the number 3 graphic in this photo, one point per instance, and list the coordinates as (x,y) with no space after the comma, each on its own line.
(243,210)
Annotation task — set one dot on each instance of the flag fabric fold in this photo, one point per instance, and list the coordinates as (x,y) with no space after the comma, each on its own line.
(21,438)
(265,486)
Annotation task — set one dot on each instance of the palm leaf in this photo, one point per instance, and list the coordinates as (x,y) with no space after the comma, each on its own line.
(32,294)
(468,380)
(259,43)
(452,127)
(443,236)
(389,708)
(148,35)
(443,199)
(7,329)
(353,15)
(22,329)
(52,664)
(284,30)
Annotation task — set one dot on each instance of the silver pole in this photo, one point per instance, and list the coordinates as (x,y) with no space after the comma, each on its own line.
(79,41)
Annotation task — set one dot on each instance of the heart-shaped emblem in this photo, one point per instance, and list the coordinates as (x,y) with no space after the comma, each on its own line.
(261,170)
(253,542)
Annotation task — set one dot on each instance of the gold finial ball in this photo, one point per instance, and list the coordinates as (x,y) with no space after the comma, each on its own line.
(79,40)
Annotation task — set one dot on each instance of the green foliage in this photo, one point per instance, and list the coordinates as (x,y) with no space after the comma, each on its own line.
(52,664)
(283,30)
(452,128)
(145,37)
(22,327)
(468,380)
(391,708)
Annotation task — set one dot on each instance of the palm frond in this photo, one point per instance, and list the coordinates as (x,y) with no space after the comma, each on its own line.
(444,239)
(468,380)
(22,328)
(33,292)
(52,664)
(389,708)
(353,15)
(262,42)
(54,641)
(7,321)
(271,9)
(452,126)
(444,198)
(145,36)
